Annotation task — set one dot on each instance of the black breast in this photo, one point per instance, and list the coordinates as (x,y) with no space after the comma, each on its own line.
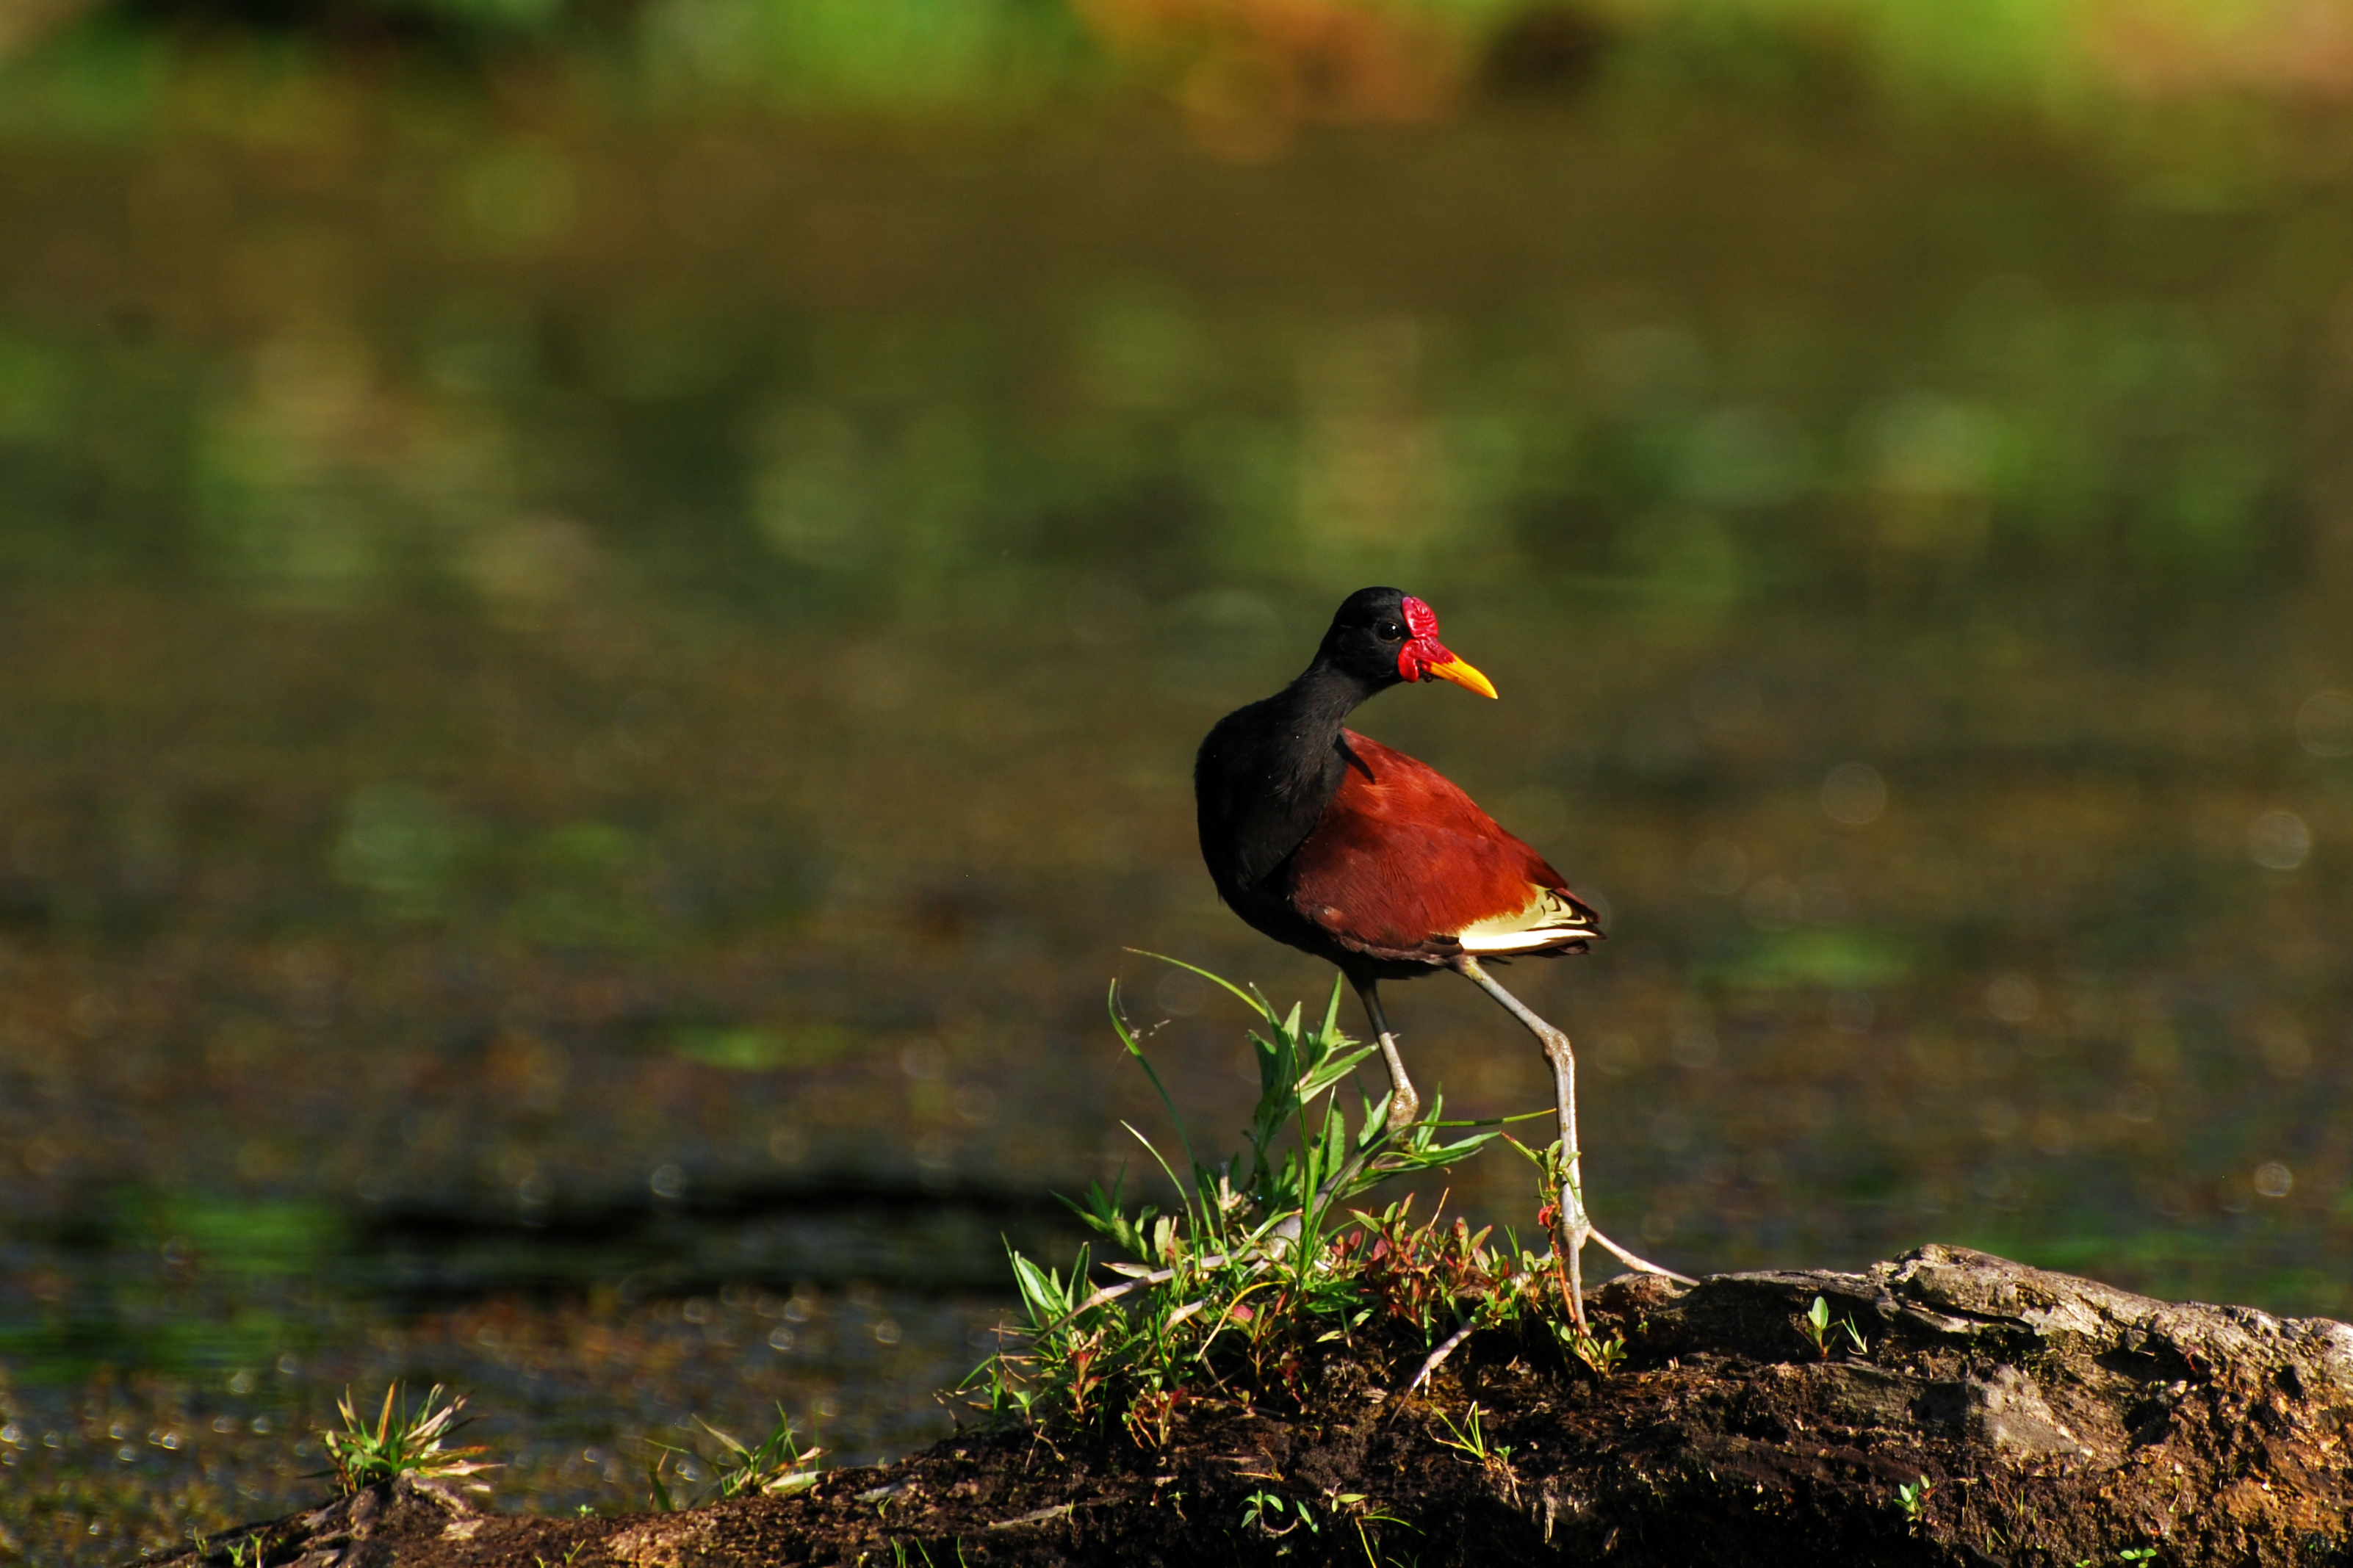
(1261,783)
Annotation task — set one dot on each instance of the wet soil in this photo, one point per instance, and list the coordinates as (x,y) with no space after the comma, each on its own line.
(1979,1411)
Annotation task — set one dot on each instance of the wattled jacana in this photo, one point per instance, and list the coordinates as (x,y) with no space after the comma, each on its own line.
(1347,849)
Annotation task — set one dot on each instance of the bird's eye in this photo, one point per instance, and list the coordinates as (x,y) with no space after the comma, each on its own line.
(1390,631)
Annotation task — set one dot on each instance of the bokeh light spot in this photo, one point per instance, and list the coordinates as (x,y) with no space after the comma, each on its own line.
(1693,1044)
(2286,1053)
(2013,998)
(2054,1134)
(1180,995)
(2324,725)
(1854,794)
(2279,840)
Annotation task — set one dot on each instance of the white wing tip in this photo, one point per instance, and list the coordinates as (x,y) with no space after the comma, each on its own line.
(1520,941)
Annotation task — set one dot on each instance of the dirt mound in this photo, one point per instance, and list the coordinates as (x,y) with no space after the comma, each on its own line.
(1947,1407)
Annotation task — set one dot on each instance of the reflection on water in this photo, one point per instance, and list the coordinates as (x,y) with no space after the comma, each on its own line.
(536,751)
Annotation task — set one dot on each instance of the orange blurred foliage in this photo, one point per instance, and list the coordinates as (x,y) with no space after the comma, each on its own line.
(1247,73)
(2293,48)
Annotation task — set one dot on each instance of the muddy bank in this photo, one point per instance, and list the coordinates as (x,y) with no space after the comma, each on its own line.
(1978,1411)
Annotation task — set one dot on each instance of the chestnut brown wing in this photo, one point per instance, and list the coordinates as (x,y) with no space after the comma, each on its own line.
(1403,862)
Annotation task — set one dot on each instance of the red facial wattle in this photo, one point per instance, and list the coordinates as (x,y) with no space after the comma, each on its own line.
(1424,657)
(1421,647)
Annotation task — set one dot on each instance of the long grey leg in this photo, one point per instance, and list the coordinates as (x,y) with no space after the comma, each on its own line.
(1575,1227)
(1405,1103)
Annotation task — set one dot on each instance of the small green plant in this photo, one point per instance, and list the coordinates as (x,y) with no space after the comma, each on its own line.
(1604,1356)
(1913,1499)
(776,1465)
(2124,1554)
(1470,1438)
(1816,1326)
(1261,1507)
(415,1444)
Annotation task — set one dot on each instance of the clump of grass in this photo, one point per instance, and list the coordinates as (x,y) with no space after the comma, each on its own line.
(413,1443)
(1264,1261)
(777,1465)
(1470,1435)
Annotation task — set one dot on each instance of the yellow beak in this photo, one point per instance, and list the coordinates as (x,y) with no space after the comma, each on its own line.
(1463,675)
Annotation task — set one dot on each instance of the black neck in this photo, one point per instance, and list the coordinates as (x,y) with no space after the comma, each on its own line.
(1319,703)
(1268,771)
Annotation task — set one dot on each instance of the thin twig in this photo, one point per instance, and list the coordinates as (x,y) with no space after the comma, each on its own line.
(1182,1312)
(1642,1265)
(1438,1356)
(1157,1276)
(1114,1292)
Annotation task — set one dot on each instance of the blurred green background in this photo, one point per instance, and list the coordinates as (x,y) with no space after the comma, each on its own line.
(603,609)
